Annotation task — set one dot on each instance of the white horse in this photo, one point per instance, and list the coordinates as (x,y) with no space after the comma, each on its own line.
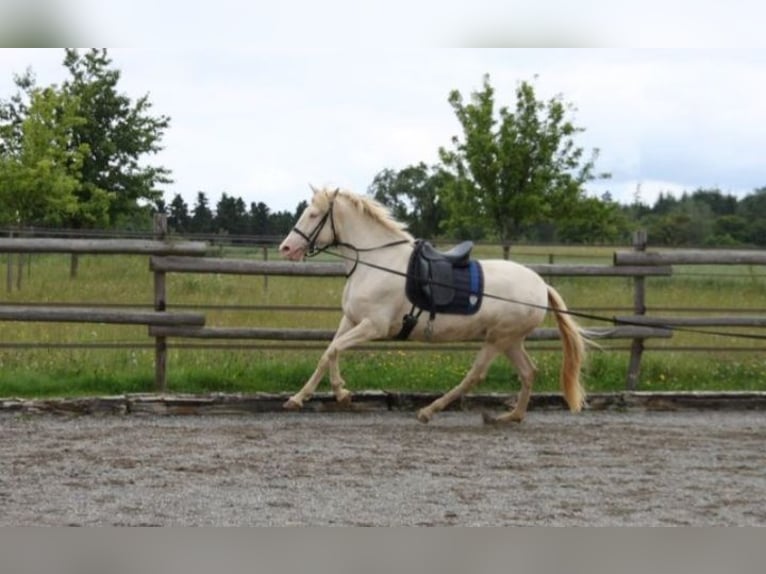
(374,302)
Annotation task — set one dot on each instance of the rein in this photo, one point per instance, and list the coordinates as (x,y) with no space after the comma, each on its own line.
(613,320)
(312,251)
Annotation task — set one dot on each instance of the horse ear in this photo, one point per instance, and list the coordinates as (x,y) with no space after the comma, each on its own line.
(313,189)
(336,192)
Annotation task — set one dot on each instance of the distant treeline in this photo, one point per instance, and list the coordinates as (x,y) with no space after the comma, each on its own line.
(78,155)
(706,217)
(230,215)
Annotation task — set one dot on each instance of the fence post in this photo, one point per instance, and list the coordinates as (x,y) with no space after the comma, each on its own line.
(9,270)
(20,270)
(639,308)
(551,261)
(265,275)
(74,265)
(160,343)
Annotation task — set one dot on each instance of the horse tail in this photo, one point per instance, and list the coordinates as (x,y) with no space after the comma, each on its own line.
(574,352)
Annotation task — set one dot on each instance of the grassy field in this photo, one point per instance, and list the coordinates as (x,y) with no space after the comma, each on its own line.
(34,363)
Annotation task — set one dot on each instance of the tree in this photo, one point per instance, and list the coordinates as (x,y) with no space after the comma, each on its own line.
(664,204)
(517,169)
(414,196)
(281,222)
(729,230)
(259,218)
(202,217)
(719,203)
(593,220)
(753,210)
(178,215)
(689,224)
(112,183)
(39,168)
(231,215)
(119,133)
(12,115)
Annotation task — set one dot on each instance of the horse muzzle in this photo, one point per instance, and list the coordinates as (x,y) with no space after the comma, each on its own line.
(291,251)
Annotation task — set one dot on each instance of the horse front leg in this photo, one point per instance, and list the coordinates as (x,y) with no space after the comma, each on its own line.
(342,395)
(366,330)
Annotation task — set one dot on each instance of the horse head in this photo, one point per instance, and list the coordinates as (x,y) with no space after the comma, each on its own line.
(315,229)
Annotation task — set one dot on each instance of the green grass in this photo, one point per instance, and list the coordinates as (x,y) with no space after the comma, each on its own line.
(45,372)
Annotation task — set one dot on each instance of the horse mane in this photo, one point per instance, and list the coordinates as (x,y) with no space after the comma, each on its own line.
(366,206)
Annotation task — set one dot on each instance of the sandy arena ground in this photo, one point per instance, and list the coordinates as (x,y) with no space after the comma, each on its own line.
(595,468)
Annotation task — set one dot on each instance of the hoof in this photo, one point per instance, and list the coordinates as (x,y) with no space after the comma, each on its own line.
(293,404)
(516,417)
(343,397)
(502,419)
(488,419)
(424,416)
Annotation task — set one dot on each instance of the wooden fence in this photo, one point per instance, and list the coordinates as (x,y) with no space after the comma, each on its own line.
(167,256)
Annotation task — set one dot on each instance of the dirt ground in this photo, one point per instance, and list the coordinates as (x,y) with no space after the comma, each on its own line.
(595,468)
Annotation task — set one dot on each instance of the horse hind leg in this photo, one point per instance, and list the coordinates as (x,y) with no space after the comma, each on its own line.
(526,370)
(342,394)
(476,374)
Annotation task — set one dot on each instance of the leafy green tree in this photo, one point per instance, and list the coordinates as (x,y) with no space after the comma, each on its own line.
(39,168)
(731,229)
(385,189)
(414,196)
(12,114)
(120,132)
(690,224)
(752,209)
(593,220)
(113,184)
(513,169)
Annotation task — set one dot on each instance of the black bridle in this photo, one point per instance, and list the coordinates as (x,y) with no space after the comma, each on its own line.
(311,239)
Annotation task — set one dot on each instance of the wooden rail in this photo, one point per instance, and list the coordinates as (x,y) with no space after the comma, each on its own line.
(188,257)
(542,334)
(103,246)
(690,257)
(313,269)
(98,315)
(557,270)
(162,265)
(245,267)
(719,321)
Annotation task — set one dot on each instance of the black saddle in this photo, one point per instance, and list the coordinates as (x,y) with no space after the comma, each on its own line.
(442,282)
(434,272)
(457,256)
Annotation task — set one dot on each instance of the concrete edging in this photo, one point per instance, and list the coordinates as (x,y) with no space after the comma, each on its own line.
(370,401)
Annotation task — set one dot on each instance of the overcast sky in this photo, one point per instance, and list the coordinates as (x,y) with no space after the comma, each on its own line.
(264,123)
